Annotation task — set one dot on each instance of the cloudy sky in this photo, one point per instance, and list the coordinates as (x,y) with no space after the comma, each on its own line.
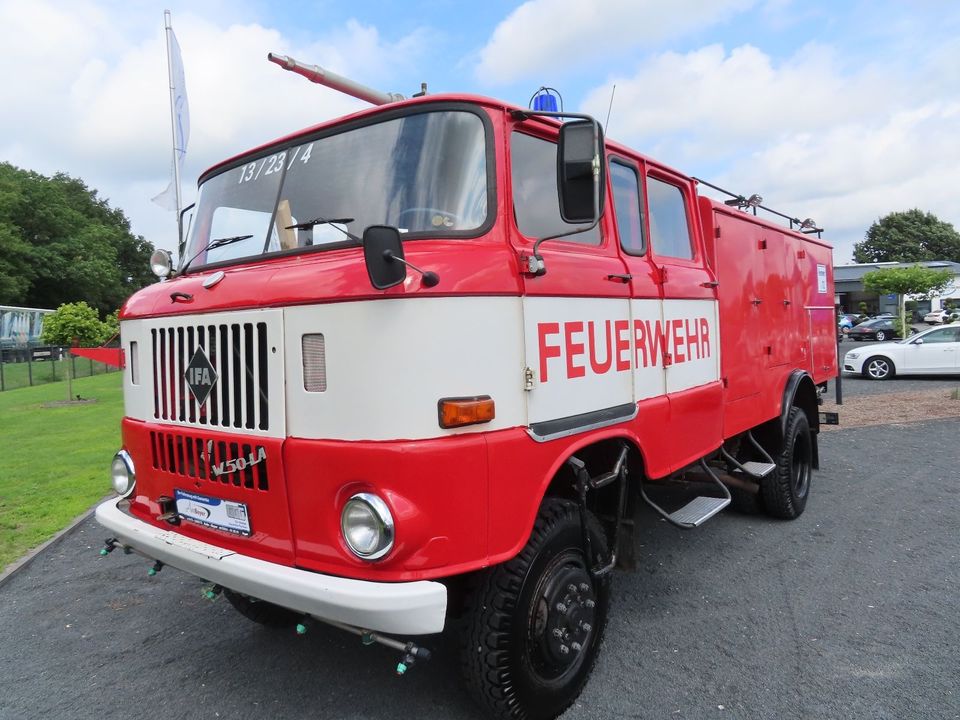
(841,110)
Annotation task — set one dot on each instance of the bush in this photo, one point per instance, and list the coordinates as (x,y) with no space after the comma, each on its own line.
(75,324)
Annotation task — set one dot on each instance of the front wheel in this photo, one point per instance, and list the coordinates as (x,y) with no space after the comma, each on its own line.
(878,368)
(535,624)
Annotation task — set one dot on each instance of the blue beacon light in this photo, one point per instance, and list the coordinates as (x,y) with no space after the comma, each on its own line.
(545,100)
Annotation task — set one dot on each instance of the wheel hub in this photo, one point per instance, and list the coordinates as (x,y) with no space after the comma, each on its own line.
(566,615)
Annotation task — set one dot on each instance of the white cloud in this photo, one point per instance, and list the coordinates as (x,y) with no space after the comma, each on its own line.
(811,136)
(89,94)
(554,35)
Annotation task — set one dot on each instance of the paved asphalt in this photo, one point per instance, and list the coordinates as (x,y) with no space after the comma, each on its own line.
(851,611)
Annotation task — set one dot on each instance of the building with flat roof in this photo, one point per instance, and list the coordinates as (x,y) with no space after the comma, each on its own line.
(848,281)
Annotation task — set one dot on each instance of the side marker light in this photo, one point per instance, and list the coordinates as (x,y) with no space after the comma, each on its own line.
(460,411)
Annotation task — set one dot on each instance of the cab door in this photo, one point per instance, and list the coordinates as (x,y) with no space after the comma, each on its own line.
(576,316)
(938,351)
(690,328)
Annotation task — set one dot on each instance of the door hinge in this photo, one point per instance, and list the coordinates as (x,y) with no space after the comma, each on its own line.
(659,275)
(527,379)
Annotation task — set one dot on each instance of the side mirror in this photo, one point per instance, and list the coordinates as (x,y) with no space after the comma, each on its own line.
(581,171)
(918,341)
(383,255)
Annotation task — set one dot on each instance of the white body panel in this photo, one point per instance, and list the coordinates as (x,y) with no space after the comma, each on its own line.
(388,362)
(695,349)
(640,349)
(558,331)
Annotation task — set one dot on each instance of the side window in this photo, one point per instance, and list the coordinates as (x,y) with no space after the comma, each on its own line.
(669,232)
(536,204)
(943,335)
(626,202)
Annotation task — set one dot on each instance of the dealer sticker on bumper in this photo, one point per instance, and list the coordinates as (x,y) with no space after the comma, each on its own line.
(214,513)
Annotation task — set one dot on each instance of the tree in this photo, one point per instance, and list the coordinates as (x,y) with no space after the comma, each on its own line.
(75,324)
(910,236)
(919,281)
(60,243)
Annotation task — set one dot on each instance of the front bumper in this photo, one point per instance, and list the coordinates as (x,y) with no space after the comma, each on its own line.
(854,365)
(410,608)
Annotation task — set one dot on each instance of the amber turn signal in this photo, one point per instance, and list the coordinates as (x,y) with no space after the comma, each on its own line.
(457,412)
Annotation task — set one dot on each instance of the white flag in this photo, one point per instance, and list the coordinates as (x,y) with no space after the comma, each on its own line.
(180,112)
(168,198)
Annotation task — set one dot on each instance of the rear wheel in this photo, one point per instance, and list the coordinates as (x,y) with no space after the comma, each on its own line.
(881,335)
(785,489)
(260,611)
(878,368)
(534,626)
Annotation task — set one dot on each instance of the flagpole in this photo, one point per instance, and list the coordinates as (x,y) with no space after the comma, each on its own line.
(168,30)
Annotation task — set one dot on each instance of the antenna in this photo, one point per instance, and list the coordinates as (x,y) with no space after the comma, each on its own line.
(606,125)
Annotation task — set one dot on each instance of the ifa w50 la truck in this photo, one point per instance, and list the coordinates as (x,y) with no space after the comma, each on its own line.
(419,366)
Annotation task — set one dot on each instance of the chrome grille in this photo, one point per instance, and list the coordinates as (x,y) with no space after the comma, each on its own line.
(219,461)
(238,352)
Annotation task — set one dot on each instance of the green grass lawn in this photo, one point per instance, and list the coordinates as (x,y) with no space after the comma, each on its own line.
(54,462)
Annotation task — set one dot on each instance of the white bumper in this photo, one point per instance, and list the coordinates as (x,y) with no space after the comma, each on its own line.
(411,608)
(854,365)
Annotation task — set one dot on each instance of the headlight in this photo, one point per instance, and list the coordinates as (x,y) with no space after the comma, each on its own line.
(161,263)
(122,474)
(852,355)
(367,526)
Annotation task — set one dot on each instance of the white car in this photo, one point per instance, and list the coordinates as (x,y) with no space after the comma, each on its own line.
(931,352)
(938,316)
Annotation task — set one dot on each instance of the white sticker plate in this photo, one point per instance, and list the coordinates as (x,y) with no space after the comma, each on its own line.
(226,515)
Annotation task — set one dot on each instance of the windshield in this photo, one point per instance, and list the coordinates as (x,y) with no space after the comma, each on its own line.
(424,173)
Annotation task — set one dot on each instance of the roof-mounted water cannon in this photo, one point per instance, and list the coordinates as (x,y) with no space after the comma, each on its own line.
(317,74)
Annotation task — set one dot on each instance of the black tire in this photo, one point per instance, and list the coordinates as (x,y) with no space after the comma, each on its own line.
(785,489)
(260,611)
(881,335)
(878,368)
(524,613)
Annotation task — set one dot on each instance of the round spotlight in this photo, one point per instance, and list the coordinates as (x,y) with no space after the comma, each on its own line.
(367,526)
(122,475)
(161,263)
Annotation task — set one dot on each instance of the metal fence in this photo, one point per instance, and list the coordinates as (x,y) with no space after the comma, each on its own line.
(39,365)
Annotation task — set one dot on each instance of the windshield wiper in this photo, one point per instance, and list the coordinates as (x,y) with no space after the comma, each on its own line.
(335,222)
(218,242)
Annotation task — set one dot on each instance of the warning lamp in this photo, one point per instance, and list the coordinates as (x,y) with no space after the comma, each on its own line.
(546,99)
(457,412)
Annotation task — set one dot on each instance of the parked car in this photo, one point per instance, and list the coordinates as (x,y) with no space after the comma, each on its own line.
(931,352)
(939,316)
(847,320)
(877,329)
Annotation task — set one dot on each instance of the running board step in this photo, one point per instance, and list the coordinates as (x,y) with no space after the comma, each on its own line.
(697,511)
(757,469)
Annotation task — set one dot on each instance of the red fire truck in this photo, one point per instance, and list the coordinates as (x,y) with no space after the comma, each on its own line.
(420,365)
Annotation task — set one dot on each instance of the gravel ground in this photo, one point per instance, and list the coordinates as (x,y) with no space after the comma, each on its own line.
(848,612)
(897,400)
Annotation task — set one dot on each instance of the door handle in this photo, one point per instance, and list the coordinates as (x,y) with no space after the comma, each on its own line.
(622,278)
